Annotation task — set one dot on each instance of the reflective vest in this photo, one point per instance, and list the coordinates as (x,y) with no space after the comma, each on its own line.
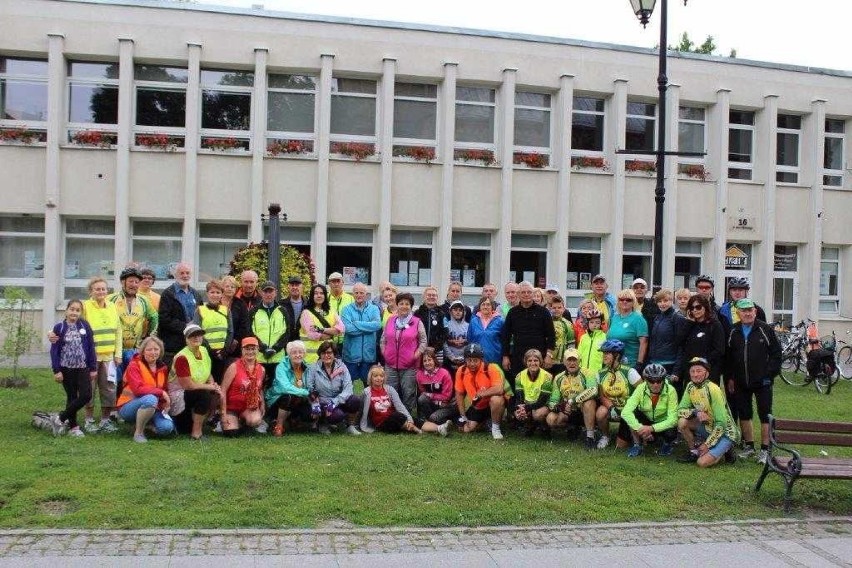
(215,325)
(133,321)
(148,379)
(269,328)
(105,329)
(199,369)
(311,345)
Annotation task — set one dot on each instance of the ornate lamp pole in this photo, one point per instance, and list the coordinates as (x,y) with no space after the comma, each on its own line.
(275,244)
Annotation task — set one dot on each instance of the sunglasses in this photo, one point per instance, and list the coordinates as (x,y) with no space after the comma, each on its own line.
(654,381)
(625,300)
(705,287)
(693,308)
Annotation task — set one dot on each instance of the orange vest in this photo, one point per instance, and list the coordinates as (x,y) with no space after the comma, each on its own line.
(159,381)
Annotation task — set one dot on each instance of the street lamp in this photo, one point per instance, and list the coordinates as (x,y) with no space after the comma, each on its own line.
(643,10)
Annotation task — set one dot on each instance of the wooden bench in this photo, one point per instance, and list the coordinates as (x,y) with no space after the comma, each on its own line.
(806,433)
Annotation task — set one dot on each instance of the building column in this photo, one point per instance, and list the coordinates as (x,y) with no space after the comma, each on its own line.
(671,182)
(561,160)
(505,145)
(320,239)
(616,130)
(53,270)
(761,288)
(811,253)
(190,193)
(122,154)
(713,259)
(446,153)
(258,145)
(385,148)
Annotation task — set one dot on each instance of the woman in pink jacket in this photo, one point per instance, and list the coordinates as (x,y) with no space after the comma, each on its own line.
(402,344)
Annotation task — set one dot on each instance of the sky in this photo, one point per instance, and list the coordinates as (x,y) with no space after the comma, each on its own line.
(810,33)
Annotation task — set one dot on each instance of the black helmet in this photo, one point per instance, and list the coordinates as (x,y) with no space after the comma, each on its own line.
(738,283)
(654,371)
(474,350)
(705,278)
(128,272)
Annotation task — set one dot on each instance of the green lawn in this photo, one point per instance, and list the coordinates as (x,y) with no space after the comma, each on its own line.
(303,480)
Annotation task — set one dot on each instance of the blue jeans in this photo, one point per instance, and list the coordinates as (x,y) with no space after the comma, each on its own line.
(722,446)
(359,370)
(162,425)
(126,356)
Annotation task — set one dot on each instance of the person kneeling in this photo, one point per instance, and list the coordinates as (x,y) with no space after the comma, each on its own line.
(330,385)
(145,399)
(705,421)
(650,413)
(242,384)
(483,385)
(573,399)
(533,387)
(382,409)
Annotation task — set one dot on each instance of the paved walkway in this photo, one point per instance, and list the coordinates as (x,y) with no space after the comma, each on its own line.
(823,541)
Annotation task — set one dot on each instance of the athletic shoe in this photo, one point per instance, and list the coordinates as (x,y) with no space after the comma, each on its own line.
(262,428)
(747,453)
(352,430)
(324,430)
(763,456)
(444,429)
(218,427)
(107,425)
(603,442)
(589,443)
(730,455)
(689,457)
(666,449)
(90,426)
(495,432)
(140,438)
(635,451)
(57,425)
(75,432)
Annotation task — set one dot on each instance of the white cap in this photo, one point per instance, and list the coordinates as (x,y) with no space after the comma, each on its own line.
(639,281)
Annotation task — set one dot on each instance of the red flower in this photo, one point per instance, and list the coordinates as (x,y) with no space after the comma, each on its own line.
(353,150)
(531,159)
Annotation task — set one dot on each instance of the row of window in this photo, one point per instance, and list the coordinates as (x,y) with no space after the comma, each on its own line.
(89,246)
(227,99)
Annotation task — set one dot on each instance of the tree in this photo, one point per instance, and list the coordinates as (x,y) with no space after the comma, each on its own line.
(255,256)
(16,324)
(686,45)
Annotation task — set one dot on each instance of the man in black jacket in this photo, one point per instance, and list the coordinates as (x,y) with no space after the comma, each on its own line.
(752,361)
(292,306)
(527,326)
(177,308)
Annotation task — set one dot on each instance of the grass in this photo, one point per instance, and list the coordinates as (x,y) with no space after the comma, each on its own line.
(303,480)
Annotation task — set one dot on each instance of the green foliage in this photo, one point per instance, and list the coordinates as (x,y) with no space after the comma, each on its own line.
(255,256)
(16,325)
(686,45)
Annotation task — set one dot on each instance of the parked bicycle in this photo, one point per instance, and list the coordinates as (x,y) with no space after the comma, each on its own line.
(844,358)
(793,355)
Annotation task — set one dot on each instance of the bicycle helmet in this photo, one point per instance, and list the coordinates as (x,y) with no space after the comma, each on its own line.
(738,283)
(654,371)
(128,272)
(704,278)
(594,313)
(699,361)
(612,346)
(474,350)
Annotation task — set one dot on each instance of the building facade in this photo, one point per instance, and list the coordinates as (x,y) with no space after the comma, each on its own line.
(160,132)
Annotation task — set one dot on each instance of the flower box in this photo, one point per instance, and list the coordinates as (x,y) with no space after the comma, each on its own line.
(159,142)
(356,150)
(531,159)
(588,162)
(22,136)
(278,147)
(640,166)
(694,171)
(485,157)
(94,138)
(418,153)
(223,144)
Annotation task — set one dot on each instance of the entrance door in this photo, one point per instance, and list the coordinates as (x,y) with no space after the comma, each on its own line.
(785,288)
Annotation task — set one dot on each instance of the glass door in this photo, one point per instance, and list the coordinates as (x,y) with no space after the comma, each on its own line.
(785,288)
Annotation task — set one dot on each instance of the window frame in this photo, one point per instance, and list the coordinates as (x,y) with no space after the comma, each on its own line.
(541,150)
(460,145)
(38,127)
(216,240)
(78,281)
(308,139)
(539,250)
(408,246)
(692,160)
(243,138)
(370,246)
(831,135)
(403,142)
(742,166)
(834,298)
(337,138)
(648,255)
(690,282)
(176,134)
(644,117)
(594,113)
(162,282)
(486,248)
(71,127)
(28,282)
(575,248)
(780,169)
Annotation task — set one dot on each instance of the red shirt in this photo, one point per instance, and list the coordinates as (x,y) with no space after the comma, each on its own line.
(241,385)
(381,406)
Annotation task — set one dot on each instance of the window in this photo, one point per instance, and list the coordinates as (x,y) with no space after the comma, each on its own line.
(297,237)
(415,118)
(217,244)
(350,252)
(22,253)
(291,112)
(532,129)
(353,114)
(587,130)
(89,251)
(23,99)
(637,260)
(834,151)
(740,144)
(160,106)
(226,109)
(528,259)
(93,103)
(584,261)
(829,281)
(687,265)
(475,110)
(692,127)
(469,258)
(157,245)
(411,258)
(641,120)
(787,156)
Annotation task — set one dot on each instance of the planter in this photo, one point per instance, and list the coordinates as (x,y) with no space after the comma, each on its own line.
(417,153)
(588,163)
(485,157)
(162,142)
(531,159)
(640,166)
(223,144)
(278,147)
(694,171)
(22,136)
(94,138)
(356,150)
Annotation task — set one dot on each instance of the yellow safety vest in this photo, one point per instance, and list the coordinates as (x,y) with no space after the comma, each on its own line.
(199,369)
(215,325)
(269,329)
(311,345)
(105,329)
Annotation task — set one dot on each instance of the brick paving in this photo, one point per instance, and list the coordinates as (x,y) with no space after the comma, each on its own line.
(342,541)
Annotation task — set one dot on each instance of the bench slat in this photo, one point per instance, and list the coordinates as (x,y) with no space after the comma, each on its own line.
(811,426)
(812,438)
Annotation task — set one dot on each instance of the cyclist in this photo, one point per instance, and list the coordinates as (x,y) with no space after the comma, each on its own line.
(737,290)
(573,398)
(615,383)
(650,413)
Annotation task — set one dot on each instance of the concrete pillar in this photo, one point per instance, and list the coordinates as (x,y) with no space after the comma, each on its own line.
(258,147)
(122,155)
(717,163)
(561,160)
(193,113)
(505,145)
(445,152)
(323,134)
(767,137)
(671,182)
(616,130)
(385,147)
(810,254)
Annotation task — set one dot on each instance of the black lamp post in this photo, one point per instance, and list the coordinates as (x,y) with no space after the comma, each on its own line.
(275,244)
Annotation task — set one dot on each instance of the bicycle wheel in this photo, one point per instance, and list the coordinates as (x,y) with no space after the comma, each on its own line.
(790,367)
(823,383)
(844,361)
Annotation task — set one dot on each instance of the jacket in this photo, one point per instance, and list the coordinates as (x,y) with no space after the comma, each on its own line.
(591,359)
(726,316)
(663,415)
(399,350)
(488,337)
(608,299)
(701,339)
(433,323)
(366,424)
(708,397)
(138,322)
(756,361)
(663,346)
(269,326)
(284,382)
(173,319)
(139,381)
(335,387)
(362,326)
(87,338)
(106,329)
(292,321)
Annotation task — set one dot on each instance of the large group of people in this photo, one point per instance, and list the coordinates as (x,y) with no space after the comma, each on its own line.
(641,370)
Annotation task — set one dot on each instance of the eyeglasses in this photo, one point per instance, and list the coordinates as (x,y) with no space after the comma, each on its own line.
(625,300)
(705,287)
(654,381)
(693,308)
(329,352)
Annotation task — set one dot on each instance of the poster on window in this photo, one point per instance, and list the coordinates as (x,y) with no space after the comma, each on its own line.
(529,276)
(424,276)
(33,266)
(355,274)
(585,280)
(572,281)
(469,278)
(413,268)
(825,283)
(72,268)
(399,279)
(627,280)
(456,275)
(403,267)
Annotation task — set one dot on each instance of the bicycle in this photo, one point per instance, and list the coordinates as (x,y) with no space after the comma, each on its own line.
(843,357)
(793,357)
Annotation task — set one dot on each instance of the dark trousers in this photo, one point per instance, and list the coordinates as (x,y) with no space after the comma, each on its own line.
(78,392)
(624,430)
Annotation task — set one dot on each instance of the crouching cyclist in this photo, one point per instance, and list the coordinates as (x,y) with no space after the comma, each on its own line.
(705,421)
(650,413)
(572,401)
(615,383)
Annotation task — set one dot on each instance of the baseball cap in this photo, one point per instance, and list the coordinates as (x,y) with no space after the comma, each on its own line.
(745,304)
(335,276)
(294,280)
(571,354)
(599,277)
(456,303)
(192,329)
(249,341)
(474,350)
(639,281)
(552,288)
(268,285)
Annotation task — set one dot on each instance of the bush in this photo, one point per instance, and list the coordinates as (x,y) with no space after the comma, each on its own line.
(255,256)
(16,323)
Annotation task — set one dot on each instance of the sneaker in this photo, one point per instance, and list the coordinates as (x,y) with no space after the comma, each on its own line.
(324,430)
(140,439)
(635,451)
(90,426)
(495,432)
(747,452)
(352,430)
(763,456)
(218,427)
(262,428)
(589,442)
(730,455)
(603,442)
(666,449)
(107,425)
(688,457)
(57,425)
(75,432)
(444,429)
